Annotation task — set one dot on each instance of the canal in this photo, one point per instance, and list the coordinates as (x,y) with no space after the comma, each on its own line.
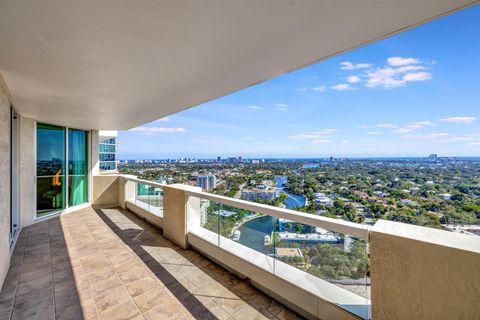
(253,232)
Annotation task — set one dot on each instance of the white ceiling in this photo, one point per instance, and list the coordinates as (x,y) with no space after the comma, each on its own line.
(116,64)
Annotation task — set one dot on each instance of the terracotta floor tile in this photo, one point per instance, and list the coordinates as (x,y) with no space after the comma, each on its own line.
(100,287)
(6,307)
(133,274)
(111,298)
(39,283)
(151,299)
(34,305)
(109,264)
(141,286)
(168,310)
(124,311)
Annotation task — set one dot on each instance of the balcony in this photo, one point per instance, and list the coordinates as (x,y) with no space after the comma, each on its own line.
(116,247)
(111,264)
(157,259)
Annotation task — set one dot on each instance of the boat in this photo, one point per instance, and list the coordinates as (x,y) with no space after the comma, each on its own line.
(267,240)
(236,235)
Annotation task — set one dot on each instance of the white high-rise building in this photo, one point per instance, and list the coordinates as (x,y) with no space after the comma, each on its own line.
(107,149)
(207,182)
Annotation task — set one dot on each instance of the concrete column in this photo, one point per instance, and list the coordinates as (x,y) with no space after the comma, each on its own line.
(126,191)
(177,208)
(423,273)
(27,171)
(94,153)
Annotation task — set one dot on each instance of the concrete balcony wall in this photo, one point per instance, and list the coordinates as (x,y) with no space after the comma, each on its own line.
(176,208)
(106,191)
(423,273)
(27,171)
(5,175)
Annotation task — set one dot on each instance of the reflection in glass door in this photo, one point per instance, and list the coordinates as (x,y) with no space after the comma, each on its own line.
(77,167)
(50,169)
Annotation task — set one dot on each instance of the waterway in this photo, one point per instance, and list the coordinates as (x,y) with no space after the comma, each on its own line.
(253,232)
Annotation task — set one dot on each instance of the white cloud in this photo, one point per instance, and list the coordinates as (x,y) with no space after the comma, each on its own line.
(282,108)
(362,126)
(417,76)
(398,73)
(387,126)
(155,130)
(399,61)
(353,79)
(166,119)
(428,137)
(314,135)
(389,78)
(282,105)
(346,65)
(248,138)
(254,107)
(342,87)
(327,131)
(319,89)
(462,139)
(373,133)
(465,120)
(403,130)
(419,124)
(413,126)
(476,143)
(321,141)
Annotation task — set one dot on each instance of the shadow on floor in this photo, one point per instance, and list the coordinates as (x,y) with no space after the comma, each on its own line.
(234,294)
(41,282)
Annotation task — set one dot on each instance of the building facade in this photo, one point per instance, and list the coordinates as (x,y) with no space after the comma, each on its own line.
(260,192)
(207,182)
(107,149)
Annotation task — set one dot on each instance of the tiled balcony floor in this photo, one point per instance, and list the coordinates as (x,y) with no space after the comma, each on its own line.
(109,264)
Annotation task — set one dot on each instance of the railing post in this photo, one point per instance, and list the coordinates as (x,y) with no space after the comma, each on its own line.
(423,273)
(177,206)
(126,190)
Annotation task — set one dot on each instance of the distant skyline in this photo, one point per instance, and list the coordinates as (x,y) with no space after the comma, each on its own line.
(413,94)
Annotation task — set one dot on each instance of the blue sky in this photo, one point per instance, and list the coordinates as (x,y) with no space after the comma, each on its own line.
(413,94)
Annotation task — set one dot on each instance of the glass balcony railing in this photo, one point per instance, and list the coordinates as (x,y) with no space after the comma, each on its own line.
(337,264)
(149,197)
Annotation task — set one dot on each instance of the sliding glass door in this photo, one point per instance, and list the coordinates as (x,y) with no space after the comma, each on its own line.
(77,167)
(50,169)
(59,186)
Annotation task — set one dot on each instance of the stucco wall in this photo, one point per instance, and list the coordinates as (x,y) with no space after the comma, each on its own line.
(5,179)
(27,171)
(423,273)
(175,212)
(105,191)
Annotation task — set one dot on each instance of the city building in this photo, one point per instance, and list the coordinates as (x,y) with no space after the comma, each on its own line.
(75,244)
(260,192)
(445,196)
(323,200)
(107,148)
(204,204)
(207,182)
